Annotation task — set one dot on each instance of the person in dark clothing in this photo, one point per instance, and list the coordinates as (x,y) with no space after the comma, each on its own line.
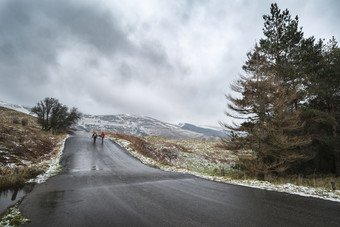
(94,136)
(102,135)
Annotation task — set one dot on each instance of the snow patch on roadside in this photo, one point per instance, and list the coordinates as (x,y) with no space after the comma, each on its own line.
(287,188)
(13,218)
(53,166)
(126,145)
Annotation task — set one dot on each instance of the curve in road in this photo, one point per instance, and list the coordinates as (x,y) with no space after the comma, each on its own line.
(103,185)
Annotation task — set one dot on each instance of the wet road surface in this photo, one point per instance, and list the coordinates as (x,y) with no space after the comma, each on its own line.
(103,185)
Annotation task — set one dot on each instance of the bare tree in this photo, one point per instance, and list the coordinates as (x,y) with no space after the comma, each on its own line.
(55,117)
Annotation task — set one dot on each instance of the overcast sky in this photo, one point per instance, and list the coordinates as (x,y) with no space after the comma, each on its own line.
(172,60)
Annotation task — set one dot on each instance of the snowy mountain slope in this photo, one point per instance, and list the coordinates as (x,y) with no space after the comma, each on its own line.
(140,126)
(135,125)
(204,130)
(20,108)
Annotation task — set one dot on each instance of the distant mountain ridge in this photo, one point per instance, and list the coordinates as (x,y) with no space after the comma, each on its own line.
(17,107)
(145,126)
(205,131)
(136,125)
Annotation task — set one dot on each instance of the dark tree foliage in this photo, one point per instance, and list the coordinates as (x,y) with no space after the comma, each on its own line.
(273,94)
(279,51)
(55,117)
(322,109)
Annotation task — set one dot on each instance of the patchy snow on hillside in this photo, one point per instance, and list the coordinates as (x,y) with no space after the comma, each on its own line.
(53,166)
(16,107)
(131,124)
(138,126)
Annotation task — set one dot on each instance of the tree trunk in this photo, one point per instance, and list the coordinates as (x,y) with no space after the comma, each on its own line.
(337,144)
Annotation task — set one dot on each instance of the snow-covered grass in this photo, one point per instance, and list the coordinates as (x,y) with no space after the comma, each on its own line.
(204,160)
(53,166)
(200,156)
(127,146)
(29,158)
(13,217)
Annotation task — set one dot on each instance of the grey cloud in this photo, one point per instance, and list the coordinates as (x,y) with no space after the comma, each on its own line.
(125,70)
(155,53)
(40,29)
(92,26)
(166,59)
(34,33)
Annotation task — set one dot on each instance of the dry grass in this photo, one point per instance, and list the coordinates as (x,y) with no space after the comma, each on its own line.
(167,154)
(8,116)
(200,156)
(193,155)
(16,177)
(22,146)
(21,143)
(208,150)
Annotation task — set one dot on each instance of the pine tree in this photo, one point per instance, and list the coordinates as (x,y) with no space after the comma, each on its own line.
(280,49)
(273,130)
(271,92)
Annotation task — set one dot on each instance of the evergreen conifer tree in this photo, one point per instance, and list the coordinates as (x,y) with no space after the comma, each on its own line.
(271,92)
(322,110)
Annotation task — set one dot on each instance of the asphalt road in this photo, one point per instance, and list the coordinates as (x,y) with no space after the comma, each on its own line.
(103,185)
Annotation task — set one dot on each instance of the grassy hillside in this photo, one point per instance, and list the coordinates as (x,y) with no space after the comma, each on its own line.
(23,147)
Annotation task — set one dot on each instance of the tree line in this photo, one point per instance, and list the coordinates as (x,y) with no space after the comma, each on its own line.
(289,102)
(55,117)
